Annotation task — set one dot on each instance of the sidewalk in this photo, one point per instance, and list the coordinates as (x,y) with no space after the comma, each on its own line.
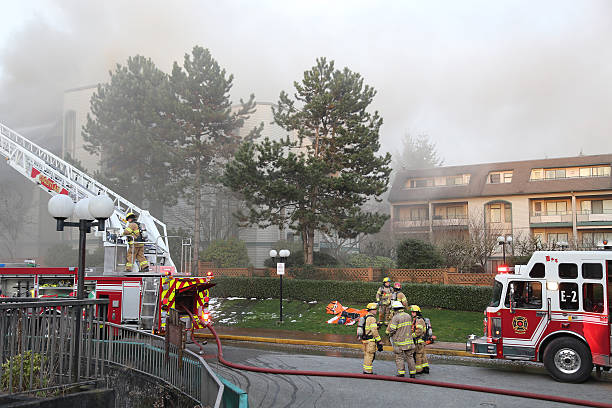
(318,339)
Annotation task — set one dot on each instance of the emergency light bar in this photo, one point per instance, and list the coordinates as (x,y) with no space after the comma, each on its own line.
(505,269)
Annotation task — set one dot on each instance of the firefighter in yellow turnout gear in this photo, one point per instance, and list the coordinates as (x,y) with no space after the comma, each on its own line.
(371,339)
(383,298)
(418,331)
(400,333)
(136,247)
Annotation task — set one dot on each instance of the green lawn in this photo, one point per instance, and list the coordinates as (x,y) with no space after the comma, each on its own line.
(448,325)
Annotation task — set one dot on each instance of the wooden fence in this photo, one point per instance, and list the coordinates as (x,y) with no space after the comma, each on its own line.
(447,276)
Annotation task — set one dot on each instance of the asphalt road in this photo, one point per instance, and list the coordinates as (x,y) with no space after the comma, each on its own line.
(271,390)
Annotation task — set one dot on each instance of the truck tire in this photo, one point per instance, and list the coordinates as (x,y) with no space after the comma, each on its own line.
(568,360)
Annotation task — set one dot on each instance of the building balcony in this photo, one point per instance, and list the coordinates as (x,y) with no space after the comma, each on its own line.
(551,218)
(588,218)
(418,224)
(454,222)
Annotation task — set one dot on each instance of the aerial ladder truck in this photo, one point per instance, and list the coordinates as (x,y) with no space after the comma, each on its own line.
(144,298)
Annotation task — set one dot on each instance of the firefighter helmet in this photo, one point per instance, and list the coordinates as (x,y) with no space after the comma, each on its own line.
(415,308)
(386,280)
(372,306)
(130,215)
(396,304)
(397,285)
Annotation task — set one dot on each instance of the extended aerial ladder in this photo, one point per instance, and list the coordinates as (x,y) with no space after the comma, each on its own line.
(57,176)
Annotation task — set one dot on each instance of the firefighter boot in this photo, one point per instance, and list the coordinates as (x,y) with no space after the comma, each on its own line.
(412,376)
(426,370)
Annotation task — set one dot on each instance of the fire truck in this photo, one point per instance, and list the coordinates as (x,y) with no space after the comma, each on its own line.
(555,310)
(143,298)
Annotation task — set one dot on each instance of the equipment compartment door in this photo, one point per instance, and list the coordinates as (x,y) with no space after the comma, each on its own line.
(130,305)
(524,318)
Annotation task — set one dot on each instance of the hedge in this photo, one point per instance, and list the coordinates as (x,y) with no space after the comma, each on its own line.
(454,297)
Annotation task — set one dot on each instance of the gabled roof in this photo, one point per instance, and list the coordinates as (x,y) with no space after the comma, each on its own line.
(520,184)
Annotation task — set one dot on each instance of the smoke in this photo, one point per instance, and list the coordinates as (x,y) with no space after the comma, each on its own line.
(487,81)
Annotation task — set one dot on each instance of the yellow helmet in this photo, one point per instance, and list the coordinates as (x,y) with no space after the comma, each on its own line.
(386,280)
(372,306)
(131,214)
(415,308)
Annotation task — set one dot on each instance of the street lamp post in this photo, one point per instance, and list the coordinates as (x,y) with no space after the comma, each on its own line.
(281,259)
(503,241)
(61,208)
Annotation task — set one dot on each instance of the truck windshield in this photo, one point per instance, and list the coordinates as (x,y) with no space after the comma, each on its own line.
(497,292)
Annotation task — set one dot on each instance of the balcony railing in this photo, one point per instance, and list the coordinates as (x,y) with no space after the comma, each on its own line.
(450,221)
(544,217)
(588,216)
(411,223)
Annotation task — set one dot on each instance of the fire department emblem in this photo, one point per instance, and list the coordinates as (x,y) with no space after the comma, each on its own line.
(519,324)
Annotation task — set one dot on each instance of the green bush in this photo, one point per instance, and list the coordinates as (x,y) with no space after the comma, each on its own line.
(231,253)
(367,261)
(31,362)
(417,254)
(454,297)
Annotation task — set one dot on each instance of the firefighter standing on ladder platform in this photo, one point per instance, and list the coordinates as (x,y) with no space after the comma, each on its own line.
(134,234)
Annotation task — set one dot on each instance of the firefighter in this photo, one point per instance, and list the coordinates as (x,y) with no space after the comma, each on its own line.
(400,333)
(399,296)
(383,298)
(371,339)
(136,247)
(418,332)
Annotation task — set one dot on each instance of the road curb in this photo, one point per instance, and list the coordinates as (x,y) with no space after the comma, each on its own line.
(430,350)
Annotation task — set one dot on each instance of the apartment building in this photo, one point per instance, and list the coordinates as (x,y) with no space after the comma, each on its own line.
(556,201)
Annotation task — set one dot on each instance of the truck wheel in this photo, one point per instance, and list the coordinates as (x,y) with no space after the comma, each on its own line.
(568,360)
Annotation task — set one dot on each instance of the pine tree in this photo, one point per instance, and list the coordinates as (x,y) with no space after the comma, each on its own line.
(208,126)
(319,178)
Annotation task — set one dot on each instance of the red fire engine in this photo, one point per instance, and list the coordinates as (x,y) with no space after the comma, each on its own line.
(556,310)
(141,299)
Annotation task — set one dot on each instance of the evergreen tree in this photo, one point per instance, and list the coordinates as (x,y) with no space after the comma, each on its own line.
(319,178)
(417,153)
(208,126)
(126,130)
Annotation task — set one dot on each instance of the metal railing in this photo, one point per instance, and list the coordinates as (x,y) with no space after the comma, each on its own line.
(40,339)
(146,353)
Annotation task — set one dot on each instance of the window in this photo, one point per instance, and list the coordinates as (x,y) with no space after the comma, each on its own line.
(454,180)
(549,174)
(537,271)
(560,173)
(499,177)
(568,295)
(585,172)
(587,239)
(585,206)
(527,295)
(600,171)
(494,178)
(592,271)
(536,174)
(593,297)
(495,213)
(607,206)
(455,212)
(507,213)
(418,183)
(418,213)
(556,207)
(497,292)
(557,238)
(597,207)
(537,207)
(568,271)
(508,177)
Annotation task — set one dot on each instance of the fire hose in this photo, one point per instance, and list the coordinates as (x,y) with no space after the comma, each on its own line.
(441,384)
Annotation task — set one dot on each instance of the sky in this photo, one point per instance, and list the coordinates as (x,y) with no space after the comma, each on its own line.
(485,80)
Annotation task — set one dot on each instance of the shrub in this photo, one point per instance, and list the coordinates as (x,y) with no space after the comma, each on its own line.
(231,253)
(416,254)
(367,261)
(31,362)
(454,297)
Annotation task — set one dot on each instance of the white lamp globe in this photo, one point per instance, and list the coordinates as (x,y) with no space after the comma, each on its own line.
(81,210)
(509,240)
(101,207)
(284,253)
(60,206)
(500,240)
(273,253)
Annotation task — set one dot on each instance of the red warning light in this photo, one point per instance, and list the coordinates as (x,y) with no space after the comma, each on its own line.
(503,269)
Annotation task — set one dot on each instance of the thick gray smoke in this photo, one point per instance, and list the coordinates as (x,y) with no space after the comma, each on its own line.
(486,80)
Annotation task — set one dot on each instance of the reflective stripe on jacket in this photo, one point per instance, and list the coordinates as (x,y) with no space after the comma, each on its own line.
(371,328)
(400,331)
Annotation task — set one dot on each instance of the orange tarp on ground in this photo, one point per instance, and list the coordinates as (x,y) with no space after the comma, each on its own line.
(350,315)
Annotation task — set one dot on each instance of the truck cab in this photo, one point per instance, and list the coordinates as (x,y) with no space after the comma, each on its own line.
(553,310)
